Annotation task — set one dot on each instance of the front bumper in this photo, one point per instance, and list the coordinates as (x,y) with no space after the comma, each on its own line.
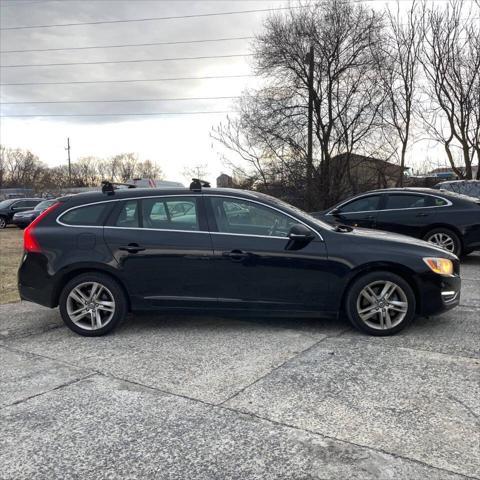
(438,293)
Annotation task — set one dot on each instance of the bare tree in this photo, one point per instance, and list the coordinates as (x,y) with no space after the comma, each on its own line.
(451,60)
(196,170)
(271,131)
(399,62)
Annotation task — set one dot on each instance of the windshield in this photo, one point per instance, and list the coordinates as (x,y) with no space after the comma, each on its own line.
(295,210)
(6,203)
(44,205)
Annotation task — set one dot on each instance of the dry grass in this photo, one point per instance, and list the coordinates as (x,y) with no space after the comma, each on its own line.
(11,249)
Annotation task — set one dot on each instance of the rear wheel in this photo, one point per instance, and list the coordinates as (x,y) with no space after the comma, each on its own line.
(380,303)
(92,304)
(3,222)
(446,239)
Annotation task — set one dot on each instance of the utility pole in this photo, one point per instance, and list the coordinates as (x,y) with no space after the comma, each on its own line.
(308,197)
(69,163)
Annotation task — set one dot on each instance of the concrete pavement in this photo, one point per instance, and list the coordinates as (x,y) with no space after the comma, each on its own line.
(176,397)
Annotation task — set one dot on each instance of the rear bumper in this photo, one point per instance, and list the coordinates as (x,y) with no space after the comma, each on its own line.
(438,294)
(34,283)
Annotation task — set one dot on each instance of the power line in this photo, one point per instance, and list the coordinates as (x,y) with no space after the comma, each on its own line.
(183,42)
(174,99)
(111,62)
(148,19)
(137,80)
(126,114)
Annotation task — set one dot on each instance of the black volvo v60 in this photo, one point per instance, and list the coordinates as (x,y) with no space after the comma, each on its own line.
(98,256)
(447,219)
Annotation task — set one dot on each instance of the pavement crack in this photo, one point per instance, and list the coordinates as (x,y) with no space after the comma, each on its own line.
(466,407)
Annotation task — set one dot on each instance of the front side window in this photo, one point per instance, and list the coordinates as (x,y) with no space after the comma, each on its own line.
(90,215)
(170,213)
(364,204)
(248,218)
(401,201)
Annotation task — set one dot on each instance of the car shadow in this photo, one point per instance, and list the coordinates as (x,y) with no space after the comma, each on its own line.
(157,321)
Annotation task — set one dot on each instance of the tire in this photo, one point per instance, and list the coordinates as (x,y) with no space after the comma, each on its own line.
(382,318)
(445,238)
(3,223)
(95,315)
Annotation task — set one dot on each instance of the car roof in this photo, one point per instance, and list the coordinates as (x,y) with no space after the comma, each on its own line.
(126,193)
(432,191)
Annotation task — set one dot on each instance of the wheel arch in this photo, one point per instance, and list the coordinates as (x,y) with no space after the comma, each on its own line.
(401,270)
(68,275)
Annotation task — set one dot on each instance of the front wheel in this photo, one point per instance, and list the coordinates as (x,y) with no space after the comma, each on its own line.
(92,304)
(3,222)
(380,303)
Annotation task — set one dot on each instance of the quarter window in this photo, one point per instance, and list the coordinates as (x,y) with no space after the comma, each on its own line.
(170,213)
(364,204)
(91,215)
(247,218)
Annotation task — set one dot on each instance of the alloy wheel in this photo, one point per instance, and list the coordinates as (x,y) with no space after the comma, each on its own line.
(3,223)
(382,305)
(90,305)
(442,240)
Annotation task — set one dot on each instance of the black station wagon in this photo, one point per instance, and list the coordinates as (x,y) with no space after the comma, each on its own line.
(99,255)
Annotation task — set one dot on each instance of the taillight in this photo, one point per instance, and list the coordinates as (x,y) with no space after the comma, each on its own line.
(30,243)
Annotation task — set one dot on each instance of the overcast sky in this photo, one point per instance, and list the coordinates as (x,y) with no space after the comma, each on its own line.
(172,141)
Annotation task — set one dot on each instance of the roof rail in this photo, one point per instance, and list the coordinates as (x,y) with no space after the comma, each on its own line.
(198,184)
(108,188)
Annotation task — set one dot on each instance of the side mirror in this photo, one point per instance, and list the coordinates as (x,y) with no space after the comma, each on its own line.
(299,236)
(335,212)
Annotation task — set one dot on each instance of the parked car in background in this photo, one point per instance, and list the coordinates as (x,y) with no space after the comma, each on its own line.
(22,219)
(447,219)
(465,187)
(8,208)
(99,255)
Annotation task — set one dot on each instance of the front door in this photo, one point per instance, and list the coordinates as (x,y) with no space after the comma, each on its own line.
(253,268)
(359,212)
(164,251)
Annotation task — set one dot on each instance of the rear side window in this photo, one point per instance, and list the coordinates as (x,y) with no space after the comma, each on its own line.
(128,216)
(407,201)
(170,213)
(91,215)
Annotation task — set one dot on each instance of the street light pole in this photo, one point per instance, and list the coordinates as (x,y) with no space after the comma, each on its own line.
(69,163)
(308,196)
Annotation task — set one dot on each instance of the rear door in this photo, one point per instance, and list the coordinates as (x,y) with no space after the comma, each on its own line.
(408,213)
(359,212)
(164,250)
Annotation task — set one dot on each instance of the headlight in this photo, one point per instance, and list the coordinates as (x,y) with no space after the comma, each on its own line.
(442,266)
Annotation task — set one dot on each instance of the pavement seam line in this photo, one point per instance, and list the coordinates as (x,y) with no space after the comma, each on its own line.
(296,355)
(237,412)
(58,387)
(433,352)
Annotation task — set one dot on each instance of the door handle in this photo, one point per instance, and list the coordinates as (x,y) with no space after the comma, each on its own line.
(422,215)
(132,248)
(236,255)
